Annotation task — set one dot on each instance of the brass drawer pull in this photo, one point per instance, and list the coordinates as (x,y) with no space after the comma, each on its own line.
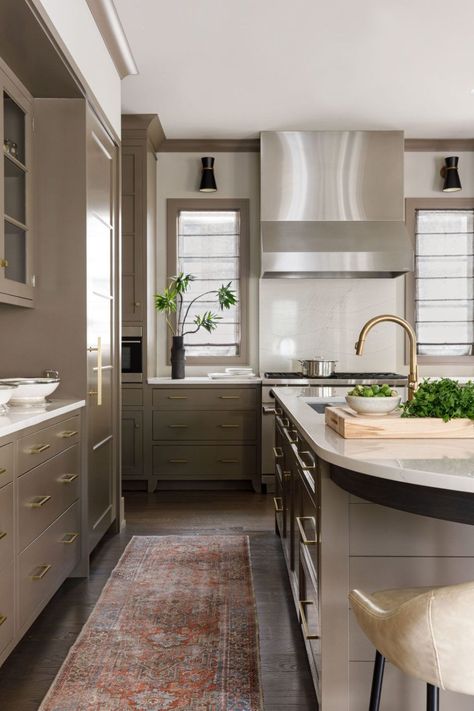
(3,618)
(286,474)
(69,538)
(68,478)
(230,427)
(39,448)
(278,506)
(228,461)
(2,534)
(229,397)
(287,433)
(283,421)
(178,461)
(277,452)
(304,623)
(268,410)
(43,570)
(3,470)
(178,427)
(39,501)
(303,465)
(306,541)
(177,397)
(67,434)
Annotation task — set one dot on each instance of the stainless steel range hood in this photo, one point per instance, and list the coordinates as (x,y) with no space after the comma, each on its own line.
(332,205)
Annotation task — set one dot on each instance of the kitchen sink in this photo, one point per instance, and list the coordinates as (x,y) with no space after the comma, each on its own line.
(321,406)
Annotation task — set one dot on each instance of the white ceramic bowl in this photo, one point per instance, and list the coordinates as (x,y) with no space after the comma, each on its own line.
(30,391)
(6,392)
(373,405)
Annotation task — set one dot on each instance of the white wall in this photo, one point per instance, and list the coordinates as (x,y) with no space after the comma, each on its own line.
(74,27)
(237,176)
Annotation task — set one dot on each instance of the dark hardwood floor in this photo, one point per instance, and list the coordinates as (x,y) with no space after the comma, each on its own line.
(27,674)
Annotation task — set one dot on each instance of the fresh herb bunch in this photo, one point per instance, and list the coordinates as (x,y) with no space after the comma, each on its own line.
(171,301)
(443,398)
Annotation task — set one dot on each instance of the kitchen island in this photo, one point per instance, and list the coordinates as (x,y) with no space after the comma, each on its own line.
(368,514)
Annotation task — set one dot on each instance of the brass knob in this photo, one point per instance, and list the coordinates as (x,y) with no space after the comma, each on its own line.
(137,304)
(3,263)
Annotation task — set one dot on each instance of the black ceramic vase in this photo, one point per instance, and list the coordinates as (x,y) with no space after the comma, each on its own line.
(177,358)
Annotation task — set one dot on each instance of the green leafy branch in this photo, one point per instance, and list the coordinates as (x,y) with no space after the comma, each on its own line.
(171,302)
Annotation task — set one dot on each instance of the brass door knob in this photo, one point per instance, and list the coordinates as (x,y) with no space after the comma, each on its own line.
(3,263)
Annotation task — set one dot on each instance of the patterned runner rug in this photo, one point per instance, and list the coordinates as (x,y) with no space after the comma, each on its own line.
(174,628)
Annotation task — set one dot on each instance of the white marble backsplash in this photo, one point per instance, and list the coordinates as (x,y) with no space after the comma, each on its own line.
(304,318)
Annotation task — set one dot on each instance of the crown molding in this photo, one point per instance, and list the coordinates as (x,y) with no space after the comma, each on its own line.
(439,145)
(210,145)
(107,20)
(143,126)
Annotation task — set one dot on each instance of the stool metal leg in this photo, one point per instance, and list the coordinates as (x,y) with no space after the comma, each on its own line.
(432,698)
(377,680)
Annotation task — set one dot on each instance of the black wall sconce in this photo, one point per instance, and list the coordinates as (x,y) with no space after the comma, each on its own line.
(208,180)
(450,174)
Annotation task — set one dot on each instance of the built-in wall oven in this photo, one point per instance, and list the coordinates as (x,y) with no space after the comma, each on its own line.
(326,391)
(132,354)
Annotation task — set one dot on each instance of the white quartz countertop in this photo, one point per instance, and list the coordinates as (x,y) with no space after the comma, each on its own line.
(19,418)
(204,380)
(444,464)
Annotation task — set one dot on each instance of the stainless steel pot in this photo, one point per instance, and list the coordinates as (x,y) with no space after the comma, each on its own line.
(318,368)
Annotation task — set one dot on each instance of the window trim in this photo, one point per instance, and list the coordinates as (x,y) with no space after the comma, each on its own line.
(173,207)
(411,206)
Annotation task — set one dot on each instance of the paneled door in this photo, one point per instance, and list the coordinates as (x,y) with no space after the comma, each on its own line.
(101,313)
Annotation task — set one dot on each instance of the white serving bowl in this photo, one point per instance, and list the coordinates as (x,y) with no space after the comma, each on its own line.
(373,405)
(6,392)
(30,391)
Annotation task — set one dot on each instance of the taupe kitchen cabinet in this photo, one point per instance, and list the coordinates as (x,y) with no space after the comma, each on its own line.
(298,523)
(43,529)
(206,433)
(16,229)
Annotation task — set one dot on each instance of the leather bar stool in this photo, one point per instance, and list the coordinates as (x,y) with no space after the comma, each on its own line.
(428,633)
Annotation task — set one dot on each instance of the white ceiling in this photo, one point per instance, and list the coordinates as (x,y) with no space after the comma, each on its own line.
(231,68)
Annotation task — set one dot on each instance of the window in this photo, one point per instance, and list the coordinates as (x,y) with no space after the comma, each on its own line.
(442,287)
(209,239)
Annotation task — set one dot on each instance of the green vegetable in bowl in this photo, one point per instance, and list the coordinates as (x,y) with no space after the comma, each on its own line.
(443,398)
(373,391)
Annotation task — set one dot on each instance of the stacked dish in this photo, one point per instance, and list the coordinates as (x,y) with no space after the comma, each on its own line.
(233,373)
(26,392)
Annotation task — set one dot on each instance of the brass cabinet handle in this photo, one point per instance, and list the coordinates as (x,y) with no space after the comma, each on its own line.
(67,434)
(283,421)
(229,397)
(228,461)
(177,397)
(3,470)
(268,410)
(68,478)
(277,452)
(3,263)
(98,350)
(304,623)
(3,618)
(278,506)
(39,501)
(43,570)
(178,461)
(286,474)
(2,534)
(306,541)
(39,448)
(230,427)
(303,465)
(178,427)
(69,538)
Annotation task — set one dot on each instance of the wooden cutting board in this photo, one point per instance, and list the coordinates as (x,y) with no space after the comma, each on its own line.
(350,425)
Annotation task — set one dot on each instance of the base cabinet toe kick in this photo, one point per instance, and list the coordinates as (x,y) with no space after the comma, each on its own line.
(41,520)
(341,530)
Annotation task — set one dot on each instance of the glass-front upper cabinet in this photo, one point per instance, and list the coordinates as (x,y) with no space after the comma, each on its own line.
(16,258)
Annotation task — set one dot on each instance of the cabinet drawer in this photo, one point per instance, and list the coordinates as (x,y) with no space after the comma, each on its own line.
(132,397)
(204,462)
(47,562)
(58,479)
(6,606)
(45,443)
(209,398)
(6,525)
(182,426)
(6,464)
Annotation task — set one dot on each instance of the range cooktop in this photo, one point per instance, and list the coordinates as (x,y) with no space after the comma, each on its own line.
(335,376)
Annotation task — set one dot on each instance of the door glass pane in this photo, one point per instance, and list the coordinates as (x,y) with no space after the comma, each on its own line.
(15,253)
(14,129)
(15,194)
